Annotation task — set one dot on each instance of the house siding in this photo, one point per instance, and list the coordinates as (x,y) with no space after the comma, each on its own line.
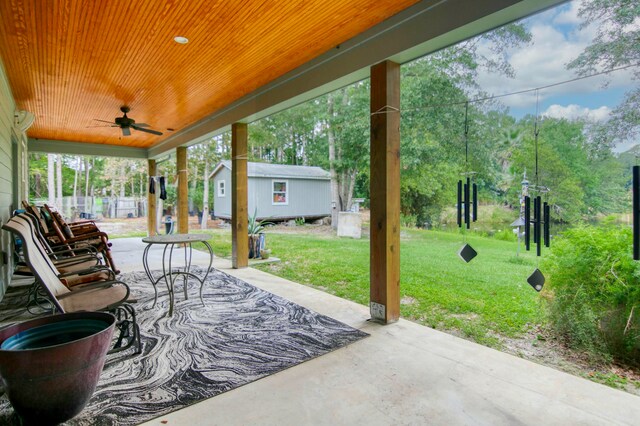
(307,197)
(222,205)
(7,175)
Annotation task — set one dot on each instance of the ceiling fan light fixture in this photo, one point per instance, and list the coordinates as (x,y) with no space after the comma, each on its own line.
(181,40)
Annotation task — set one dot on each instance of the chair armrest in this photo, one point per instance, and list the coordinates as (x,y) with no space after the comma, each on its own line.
(93,286)
(89,271)
(81,251)
(83,222)
(75,260)
(89,236)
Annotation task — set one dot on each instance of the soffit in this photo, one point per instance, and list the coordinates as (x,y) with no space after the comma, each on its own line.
(70,62)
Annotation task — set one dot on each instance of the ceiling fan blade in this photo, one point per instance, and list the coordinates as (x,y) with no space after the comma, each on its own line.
(103,121)
(102,125)
(126,131)
(153,132)
(142,125)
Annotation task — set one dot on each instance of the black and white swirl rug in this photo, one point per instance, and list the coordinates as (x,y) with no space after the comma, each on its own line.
(241,334)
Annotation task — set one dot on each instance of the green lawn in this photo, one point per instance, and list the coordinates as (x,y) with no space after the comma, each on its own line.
(483,299)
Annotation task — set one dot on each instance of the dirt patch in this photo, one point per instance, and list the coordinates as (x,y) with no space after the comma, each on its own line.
(139,225)
(539,346)
(408,300)
(121,226)
(302,229)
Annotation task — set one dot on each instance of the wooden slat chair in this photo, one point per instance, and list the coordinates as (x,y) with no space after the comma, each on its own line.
(49,238)
(42,222)
(78,227)
(46,216)
(75,270)
(58,251)
(61,255)
(110,296)
(99,240)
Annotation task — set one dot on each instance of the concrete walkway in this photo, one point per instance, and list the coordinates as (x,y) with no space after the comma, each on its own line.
(404,374)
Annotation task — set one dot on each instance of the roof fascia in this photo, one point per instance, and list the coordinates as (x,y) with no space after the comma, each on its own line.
(80,148)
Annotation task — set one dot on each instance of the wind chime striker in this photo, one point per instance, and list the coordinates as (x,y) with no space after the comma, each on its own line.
(467,196)
(540,219)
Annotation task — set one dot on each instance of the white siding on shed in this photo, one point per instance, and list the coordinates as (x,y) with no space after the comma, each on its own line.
(307,198)
(308,191)
(222,205)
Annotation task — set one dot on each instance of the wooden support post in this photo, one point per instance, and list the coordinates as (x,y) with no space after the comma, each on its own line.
(385,192)
(183,192)
(239,196)
(151,202)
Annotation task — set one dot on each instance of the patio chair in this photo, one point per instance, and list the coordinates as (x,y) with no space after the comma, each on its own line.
(110,296)
(97,239)
(74,268)
(78,227)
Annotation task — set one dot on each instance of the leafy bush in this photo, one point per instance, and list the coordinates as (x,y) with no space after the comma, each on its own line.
(506,234)
(408,220)
(594,292)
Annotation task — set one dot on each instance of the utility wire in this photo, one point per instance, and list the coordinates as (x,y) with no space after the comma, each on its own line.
(502,95)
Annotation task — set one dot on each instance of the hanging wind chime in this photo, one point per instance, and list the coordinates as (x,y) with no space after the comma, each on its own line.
(541,217)
(467,196)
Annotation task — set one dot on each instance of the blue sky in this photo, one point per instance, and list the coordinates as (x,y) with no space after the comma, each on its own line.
(557,39)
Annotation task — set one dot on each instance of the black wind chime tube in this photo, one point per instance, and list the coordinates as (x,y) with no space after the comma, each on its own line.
(527,222)
(467,210)
(547,220)
(460,204)
(636,212)
(537,219)
(475,202)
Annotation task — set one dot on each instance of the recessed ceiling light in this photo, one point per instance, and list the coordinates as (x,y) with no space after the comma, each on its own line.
(181,40)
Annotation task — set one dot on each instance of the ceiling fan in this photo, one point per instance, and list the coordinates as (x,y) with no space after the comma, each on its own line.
(126,124)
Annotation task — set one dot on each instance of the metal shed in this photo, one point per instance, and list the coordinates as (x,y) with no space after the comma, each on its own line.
(278,191)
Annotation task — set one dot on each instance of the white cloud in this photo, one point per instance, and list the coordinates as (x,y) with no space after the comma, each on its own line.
(569,16)
(544,62)
(573,112)
(625,146)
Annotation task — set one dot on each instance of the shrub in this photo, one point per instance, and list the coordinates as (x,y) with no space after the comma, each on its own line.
(594,292)
(408,220)
(506,234)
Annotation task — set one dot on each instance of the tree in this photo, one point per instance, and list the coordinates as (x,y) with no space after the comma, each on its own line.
(616,44)
(348,142)
(59,181)
(74,203)
(582,182)
(51,178)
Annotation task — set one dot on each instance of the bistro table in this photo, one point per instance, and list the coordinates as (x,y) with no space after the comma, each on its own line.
(169,274)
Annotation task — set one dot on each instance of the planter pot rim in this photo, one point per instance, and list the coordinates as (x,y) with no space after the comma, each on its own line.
(108,318)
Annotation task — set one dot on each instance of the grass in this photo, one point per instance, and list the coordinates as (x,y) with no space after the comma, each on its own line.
(481,300)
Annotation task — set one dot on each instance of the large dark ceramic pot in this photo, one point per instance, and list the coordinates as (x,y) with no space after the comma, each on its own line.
(50,366)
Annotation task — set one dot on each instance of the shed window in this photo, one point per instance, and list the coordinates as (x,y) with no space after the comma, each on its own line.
(221,188)
(280,192)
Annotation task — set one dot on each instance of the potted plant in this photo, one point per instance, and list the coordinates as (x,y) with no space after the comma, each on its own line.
(256,235)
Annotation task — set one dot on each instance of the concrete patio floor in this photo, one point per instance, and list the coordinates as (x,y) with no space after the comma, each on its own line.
(403,374)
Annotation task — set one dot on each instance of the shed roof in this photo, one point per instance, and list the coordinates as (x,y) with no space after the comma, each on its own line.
(268,170)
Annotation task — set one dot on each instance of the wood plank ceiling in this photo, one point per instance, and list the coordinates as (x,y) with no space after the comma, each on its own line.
(71,61)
